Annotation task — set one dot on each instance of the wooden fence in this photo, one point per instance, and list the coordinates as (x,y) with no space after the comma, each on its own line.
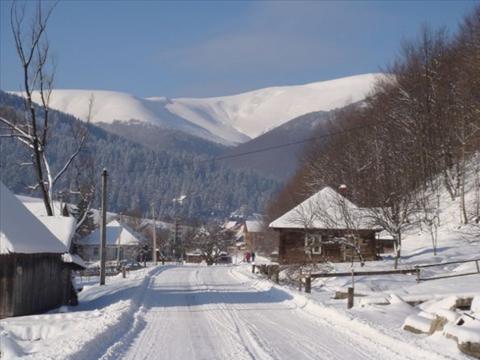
(307,279)
(419,267)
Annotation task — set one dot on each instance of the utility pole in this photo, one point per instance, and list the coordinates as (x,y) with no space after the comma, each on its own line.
(154,237)
(103,228)
(176,238)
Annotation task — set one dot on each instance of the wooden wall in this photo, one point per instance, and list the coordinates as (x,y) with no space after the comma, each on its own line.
(291,248)
(33,283)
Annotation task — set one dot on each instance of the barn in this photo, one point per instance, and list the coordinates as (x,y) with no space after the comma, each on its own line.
(35,266)
(325,227)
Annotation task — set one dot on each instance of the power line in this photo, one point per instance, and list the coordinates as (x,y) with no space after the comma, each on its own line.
(267,148)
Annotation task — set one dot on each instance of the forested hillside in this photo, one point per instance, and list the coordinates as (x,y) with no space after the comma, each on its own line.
(138,175)
(413,136)
(285,142)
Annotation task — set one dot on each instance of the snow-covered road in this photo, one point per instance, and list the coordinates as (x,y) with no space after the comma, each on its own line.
(197,312)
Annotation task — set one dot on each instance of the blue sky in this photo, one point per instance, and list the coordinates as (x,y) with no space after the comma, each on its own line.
(209,48)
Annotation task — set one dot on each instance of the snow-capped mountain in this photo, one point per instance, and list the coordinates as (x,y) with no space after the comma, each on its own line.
(228,119)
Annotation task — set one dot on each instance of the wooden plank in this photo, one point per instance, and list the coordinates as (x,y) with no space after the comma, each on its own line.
(365,273)
(448,276)
(446,263)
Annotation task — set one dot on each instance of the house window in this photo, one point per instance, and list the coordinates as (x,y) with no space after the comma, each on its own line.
(95,251)
(313,244)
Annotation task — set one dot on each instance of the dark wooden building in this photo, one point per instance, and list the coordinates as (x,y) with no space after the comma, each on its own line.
(316,231)
(35,266)
(194,257)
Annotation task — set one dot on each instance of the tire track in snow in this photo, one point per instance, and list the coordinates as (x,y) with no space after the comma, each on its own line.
(134,316)
(351,332)
(297,341)
(221,314)
(199,334)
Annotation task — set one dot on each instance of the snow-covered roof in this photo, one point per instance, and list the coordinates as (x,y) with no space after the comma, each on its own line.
(74,259)
(254,226)
(37,207)
(324,210)
(230,224)
(21,231)
(117,234)
(239,234)
(384,235)
(194,253)
(61,226)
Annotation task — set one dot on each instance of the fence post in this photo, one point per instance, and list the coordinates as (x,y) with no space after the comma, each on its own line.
(308,284)
(124,272)
(350,298)
(253,268)
(277,276)
(417,270)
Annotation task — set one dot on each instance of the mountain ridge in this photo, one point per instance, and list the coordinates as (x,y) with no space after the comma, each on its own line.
(228,120)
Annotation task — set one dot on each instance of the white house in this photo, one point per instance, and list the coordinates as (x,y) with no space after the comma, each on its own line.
(122,243)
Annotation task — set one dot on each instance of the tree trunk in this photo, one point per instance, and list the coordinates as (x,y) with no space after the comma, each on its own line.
(398,249)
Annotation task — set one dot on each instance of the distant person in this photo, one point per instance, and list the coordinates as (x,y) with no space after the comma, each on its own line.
(247,257)
(253,256)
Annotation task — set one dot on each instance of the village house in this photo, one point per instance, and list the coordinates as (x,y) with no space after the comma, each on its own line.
(122,243)
(253,234)
(325,227)
(34,259)
(259,238)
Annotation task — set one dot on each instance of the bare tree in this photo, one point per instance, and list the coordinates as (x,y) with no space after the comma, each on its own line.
(212,240)
(38,71)
(428,203)
(83,188)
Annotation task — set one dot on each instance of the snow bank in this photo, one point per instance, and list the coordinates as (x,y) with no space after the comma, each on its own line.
(448,303)
(105,314)
(9,349)
(469,332)
(475,307)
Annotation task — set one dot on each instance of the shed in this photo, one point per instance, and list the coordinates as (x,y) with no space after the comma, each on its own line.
(35,266)
(385,243)
(195,257)
(326,226)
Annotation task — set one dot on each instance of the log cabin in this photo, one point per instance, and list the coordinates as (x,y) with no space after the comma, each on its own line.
(325,227)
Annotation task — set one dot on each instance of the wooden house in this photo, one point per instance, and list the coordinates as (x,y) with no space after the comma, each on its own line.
(122,243)
(325,227)
(35,266)
(258,238)
(253,234)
